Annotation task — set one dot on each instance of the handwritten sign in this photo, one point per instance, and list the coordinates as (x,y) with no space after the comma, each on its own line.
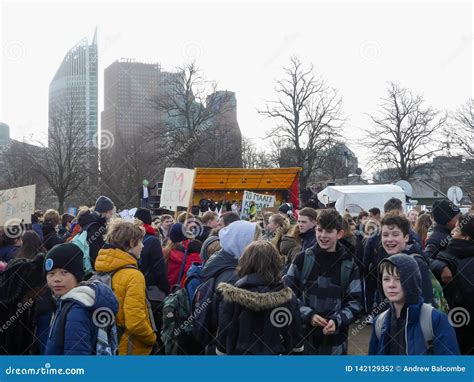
(17,205)
(177,188)
(261,201)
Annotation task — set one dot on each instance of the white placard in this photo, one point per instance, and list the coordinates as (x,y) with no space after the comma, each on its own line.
(177,188)
(17,205)
(261,201)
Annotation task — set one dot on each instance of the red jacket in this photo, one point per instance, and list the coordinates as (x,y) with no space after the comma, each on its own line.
(175,262)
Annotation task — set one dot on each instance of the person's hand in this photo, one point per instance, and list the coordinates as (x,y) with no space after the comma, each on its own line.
(446,275)
(330,328)
(317,320)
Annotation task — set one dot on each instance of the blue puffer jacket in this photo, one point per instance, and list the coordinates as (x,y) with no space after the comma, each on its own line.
(444,342)
(80,334)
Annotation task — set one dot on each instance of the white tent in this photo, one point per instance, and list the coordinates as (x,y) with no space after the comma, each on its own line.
(360,197)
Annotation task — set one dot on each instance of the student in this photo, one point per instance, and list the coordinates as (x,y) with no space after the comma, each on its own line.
(326,280)
(400,330)
(456,264)
(121,255)
(165,228)
(50,229)
(95,222)
(307,222)
(259,315)
(395,239)
(210,220)
(76,332)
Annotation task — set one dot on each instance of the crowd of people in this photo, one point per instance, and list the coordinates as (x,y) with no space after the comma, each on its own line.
(214,284)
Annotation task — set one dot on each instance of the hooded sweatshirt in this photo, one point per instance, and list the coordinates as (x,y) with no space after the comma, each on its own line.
(80,332)
(403,335)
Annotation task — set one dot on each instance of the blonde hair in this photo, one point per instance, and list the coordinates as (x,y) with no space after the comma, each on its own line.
(124,234)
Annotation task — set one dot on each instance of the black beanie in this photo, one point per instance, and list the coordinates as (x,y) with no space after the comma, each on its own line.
(177,233)
(104,204)
(444,210)
(144,215)
(66,256)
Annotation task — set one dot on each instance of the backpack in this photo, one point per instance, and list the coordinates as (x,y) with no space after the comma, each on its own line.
(81,241)
(202,308)
(106,342)
(308,263)
(176,312)
(106,278)
(426,324)
(439,301)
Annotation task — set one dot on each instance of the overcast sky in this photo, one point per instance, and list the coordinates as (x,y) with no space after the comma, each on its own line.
(356,47)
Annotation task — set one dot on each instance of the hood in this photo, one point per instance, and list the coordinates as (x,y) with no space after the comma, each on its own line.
(90,217)
(410,276)
(109,259)
(149,229)
(236,236)
(256,301)
(461,248)
(94,295)
(218,261)
(413,248)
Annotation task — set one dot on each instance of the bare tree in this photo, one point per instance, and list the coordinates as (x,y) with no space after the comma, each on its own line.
(308,114)
(192,108)
(65,163)
(253,158)
(405,133)
(463,134)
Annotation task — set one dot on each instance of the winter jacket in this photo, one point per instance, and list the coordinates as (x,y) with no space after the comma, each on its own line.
(175,263)
(80,332)
(19,285)
(459,258)
(129,287)
(437,240)
(51,237)
(325,297)
(8,253)
(257,319)
(289,249)
(204,234)
(38,229)
(308,239)
(426,286)
(408,339)
(95,225)
(152,263)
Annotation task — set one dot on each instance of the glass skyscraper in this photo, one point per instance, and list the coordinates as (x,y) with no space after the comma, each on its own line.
(73,91)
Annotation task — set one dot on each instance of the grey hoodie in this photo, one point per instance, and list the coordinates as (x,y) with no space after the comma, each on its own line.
(236,236)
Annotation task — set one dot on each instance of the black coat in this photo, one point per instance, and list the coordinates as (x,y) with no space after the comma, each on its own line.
(51,237)
(257,319)
(19,285)
(459,257)
(152,263)
(437,240)
(95,225)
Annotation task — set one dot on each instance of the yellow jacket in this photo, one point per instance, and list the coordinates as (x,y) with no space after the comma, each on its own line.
(129,287)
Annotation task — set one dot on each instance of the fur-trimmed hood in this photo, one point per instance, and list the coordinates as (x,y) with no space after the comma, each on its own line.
(256,301)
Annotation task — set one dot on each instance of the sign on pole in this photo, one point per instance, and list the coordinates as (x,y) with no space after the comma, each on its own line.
(17,205)
(261,201)
(177,188)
